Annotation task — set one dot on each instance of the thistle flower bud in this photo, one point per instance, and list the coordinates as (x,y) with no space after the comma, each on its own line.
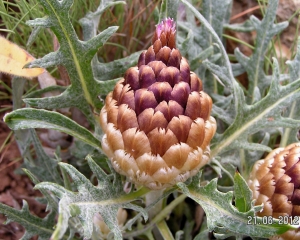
(275,182)
(157,121)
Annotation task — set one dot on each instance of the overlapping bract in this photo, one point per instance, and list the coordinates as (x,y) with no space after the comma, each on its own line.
(157,120)
(275,182)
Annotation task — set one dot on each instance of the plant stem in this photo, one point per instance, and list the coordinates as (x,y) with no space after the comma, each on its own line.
(164,230)
(162,214)
(150,198)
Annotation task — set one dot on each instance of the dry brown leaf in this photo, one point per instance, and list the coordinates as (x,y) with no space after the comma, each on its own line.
(13,58)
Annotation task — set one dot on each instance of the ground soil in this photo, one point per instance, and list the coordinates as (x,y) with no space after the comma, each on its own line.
(14,187)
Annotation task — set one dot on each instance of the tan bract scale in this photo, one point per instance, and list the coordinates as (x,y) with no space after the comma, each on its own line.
(157,121)
(275,183)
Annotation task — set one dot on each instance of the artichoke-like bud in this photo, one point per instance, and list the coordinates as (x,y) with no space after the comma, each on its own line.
(157,121)
(275,182)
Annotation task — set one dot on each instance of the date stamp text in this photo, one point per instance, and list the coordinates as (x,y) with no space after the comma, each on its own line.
(269,220)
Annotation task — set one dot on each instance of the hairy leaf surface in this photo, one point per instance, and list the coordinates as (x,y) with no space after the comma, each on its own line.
(222,216)
(105,198)
(38,118)
(33,225)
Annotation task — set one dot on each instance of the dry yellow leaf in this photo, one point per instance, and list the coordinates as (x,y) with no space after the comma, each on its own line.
(13,58)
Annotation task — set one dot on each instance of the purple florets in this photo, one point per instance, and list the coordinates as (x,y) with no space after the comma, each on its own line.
(167,25)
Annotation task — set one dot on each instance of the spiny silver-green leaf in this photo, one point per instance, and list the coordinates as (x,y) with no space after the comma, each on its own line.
(49,60)
(246,26)
(205,54)
(116,68)
(71,97)
(266,29)
(242,194)
(290,135)
(111,70)
(40,92)
(108,86)
(219,71)
(90,21)
(73,54)
(168,9)
(105,198)
(96,42)
(37,118)
(40,22)
(33,225)
(294,64)
(264,114)
(44,167)
(52,203)
(226,68)
(221,214)
(216,16)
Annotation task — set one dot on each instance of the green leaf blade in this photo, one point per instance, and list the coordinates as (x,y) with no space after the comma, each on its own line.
(87,200)
(242,194)
(222,215)
(33,225)
(263,114)
(168,9)
(37,118)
